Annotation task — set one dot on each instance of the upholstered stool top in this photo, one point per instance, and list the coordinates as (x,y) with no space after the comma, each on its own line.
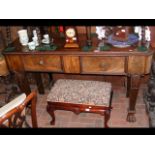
(81,92)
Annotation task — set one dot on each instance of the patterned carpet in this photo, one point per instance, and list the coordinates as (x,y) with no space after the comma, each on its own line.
(67,119)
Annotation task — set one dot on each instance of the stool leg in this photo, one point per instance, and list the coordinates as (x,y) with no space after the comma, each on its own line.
(106,118)
(50,110)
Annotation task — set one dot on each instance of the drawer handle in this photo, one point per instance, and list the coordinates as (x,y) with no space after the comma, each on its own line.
(41,62)
(103,65)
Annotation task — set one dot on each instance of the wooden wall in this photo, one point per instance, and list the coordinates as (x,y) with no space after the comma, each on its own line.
(14,34)
(81,29)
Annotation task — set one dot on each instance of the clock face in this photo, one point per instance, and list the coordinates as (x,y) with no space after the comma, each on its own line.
(70,32)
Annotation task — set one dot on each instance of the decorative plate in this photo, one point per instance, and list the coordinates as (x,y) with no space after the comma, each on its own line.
(123,44)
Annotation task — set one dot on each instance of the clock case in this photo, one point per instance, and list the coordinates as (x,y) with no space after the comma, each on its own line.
(74,44)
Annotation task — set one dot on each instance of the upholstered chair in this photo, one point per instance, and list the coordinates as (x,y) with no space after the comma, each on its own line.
(13,114)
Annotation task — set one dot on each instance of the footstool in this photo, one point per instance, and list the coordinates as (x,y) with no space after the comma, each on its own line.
(80,96)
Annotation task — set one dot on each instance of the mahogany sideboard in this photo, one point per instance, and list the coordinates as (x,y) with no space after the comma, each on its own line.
(130,63)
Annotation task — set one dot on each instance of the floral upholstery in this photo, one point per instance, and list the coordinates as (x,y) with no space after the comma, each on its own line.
(81,92)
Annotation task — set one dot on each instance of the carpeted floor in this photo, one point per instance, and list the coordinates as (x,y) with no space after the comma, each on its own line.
(67,119)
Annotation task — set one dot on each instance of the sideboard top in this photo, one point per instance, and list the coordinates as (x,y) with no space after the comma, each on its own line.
(18,49)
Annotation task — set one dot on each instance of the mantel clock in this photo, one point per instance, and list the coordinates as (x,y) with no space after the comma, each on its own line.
(71,39)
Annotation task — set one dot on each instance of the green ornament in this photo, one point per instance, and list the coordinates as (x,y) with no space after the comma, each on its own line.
(105,48)
(87,48)
(142,49)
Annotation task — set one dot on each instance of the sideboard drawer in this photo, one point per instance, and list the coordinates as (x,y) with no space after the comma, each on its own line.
(71,64)
(42,63)
(99,65)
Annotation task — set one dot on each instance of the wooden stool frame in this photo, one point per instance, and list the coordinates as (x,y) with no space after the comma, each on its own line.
(79,108)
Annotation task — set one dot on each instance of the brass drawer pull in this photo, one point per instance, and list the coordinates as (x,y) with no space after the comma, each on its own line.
(103,65)
(41,62)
